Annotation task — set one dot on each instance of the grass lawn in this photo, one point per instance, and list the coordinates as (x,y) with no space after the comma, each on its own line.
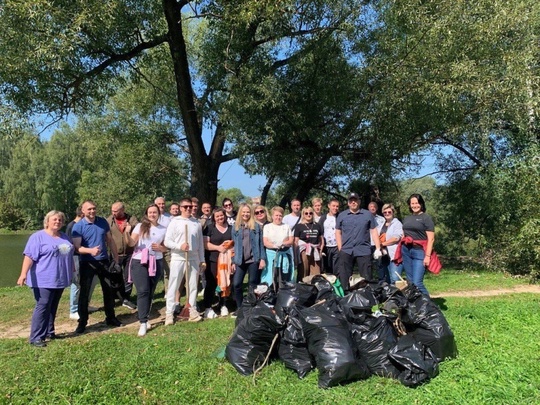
(497,340)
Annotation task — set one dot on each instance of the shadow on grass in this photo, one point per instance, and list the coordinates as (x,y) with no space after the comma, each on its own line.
(441,303)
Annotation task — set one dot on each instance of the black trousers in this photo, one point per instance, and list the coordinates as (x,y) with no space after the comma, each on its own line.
(331,260)
(145,285)
(211,283)
(87,271)
(126,289)
(346,264)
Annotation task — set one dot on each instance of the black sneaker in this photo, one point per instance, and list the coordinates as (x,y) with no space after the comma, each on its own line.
(80,329)
(39,343)
(113,322)
(129,304)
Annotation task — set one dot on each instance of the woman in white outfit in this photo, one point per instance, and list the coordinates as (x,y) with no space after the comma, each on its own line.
(146,266)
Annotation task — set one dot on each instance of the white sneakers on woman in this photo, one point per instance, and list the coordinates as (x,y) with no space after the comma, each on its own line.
(143,329)
(209,313)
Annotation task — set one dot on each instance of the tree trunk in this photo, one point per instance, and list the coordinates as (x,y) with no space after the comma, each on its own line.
(204,167)
(266,189)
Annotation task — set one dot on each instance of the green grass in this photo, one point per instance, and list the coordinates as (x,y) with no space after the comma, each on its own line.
(454,280)
(498,363)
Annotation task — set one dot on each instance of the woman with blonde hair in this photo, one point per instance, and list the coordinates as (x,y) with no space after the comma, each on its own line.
(47,268)
(308,237)
(390,233)
(261,215)
(249,254)
(278,240)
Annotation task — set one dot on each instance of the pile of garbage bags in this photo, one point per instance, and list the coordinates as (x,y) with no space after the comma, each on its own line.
(375,329)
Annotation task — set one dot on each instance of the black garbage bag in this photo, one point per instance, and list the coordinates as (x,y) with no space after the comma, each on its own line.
(330,343)
(252,339)
(416,362)
(387,292)
(358,304)
(293,350)
(374,338)
(252,298)
(426,322)
(297,294)
(324,287)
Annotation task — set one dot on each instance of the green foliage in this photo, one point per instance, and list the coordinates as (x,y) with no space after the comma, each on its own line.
(10,217)
(22,180)
(235,194)
(126,152)
(495,206)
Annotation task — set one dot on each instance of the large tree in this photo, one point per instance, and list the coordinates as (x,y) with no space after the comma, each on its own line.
(59,57)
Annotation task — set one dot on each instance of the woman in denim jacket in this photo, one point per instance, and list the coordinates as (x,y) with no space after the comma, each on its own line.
(249,253)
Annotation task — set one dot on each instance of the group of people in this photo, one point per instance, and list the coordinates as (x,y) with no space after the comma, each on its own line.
(219,246)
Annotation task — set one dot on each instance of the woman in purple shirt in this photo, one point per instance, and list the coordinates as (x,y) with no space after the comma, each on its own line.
(47,268)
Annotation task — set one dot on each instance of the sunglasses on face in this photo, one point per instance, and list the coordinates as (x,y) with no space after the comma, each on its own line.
(387,212)
(308,213)
(187,207)
(259,212)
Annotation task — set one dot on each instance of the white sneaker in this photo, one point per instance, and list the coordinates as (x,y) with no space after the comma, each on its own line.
(143,328)
(74,316)
(169,319)
(224,311)
(92,309)
(210,314)
(194,315)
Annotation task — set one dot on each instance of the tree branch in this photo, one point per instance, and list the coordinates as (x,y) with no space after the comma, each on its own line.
(114,58)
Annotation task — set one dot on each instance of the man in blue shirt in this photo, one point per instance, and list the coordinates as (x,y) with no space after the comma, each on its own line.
(354,227)
(90,238)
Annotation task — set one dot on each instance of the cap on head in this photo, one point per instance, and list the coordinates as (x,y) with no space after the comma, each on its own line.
(353,196)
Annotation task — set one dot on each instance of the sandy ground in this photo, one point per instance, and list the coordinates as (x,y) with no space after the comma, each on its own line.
(65,329)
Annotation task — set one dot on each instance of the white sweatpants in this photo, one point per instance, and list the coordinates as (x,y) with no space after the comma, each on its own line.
(178,268)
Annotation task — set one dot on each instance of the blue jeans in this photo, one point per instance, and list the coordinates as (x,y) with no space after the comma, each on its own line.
(238,280)
(413,262)
(394,268)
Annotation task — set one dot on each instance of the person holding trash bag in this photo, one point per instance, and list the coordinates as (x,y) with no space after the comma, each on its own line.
(249,253)
(146,267)
(278,240)
(417,244)
(47,268)
(390,233)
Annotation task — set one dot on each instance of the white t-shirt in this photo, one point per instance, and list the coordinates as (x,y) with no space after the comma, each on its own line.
(291,220)
(330,231)
(276,234)
(156,234)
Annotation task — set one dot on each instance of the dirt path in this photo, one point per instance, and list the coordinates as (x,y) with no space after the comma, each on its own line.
(65,328)
(490,293)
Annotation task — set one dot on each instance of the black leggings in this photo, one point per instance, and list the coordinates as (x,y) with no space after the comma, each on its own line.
(145,285)
(211,284)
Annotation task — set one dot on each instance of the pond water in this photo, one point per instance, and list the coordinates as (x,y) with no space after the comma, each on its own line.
(11,248)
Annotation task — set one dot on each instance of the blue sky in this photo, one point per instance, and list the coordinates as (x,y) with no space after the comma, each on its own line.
(232,175)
